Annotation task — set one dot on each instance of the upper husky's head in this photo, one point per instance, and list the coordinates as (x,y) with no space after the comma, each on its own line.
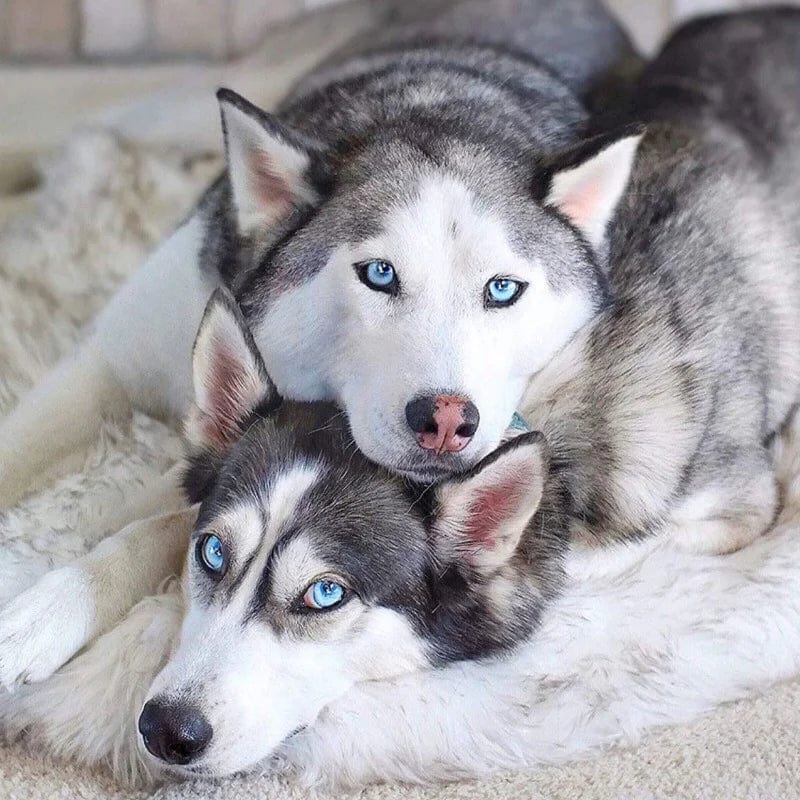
(417,281)
(312,569)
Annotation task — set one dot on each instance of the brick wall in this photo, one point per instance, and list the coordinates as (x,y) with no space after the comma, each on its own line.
(138,30)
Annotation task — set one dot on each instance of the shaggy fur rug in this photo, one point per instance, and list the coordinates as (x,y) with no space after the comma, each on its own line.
(645,636)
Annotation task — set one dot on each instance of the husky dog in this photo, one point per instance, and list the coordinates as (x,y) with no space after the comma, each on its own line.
(309,573)
(381,235)
(311,568)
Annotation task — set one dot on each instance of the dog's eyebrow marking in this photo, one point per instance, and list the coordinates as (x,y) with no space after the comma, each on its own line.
(285,494)
(237,581)
(280,502)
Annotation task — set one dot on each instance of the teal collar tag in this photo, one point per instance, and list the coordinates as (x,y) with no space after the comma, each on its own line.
(518,423)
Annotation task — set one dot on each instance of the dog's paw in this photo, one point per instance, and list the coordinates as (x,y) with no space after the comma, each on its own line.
(42,628)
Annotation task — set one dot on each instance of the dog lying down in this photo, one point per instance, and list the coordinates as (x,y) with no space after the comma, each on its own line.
(662,410)
(312,625)
(312,569)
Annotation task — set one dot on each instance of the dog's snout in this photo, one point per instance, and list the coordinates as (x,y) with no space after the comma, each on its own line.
(445,423)
(176,733)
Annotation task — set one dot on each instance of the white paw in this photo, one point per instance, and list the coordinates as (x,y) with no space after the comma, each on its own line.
(42,628)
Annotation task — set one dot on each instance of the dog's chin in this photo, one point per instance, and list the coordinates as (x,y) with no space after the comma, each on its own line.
(423,475)
(189,772)
(201,771)
(162,771)
(431,469)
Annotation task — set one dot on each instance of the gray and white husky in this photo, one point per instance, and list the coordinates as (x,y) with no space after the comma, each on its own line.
(380,233)
(312,569)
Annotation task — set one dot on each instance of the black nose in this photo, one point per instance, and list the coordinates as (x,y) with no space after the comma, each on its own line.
(176,733)
(419,414)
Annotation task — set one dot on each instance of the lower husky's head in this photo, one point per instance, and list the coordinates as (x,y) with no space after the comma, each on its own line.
(418,284)
(312,569)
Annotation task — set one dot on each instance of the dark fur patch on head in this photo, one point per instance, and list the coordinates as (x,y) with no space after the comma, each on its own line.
(377,531)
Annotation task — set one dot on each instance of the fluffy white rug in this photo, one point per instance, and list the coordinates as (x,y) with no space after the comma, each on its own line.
(645,636)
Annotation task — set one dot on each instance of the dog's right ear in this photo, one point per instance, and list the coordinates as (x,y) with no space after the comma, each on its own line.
(481,516)
(272,169)
(230,379)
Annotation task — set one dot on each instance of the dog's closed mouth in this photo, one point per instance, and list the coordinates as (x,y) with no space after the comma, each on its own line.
(424,474)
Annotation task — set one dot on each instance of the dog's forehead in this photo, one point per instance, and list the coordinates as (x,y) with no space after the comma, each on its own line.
(303,517)
(398,198)
(257,510)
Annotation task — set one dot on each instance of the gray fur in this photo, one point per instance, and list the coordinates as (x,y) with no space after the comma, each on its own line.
(498,83)
(671,394)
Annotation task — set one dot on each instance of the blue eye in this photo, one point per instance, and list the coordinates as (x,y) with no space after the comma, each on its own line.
(211,552)
(324,594)
(502,292)
(378,275)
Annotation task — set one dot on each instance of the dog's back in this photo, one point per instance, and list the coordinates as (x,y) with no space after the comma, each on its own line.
(577,40)
(736,74)
(722,102)
(543,57)
(661,411)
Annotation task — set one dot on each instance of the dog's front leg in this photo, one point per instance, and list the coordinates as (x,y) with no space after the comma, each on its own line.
(46,625)
(137,356)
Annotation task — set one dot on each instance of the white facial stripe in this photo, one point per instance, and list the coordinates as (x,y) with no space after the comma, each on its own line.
(240,528)
(285,492)
(297,566)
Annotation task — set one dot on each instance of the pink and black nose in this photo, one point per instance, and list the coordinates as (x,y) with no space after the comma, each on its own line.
(444,423)
(174,733)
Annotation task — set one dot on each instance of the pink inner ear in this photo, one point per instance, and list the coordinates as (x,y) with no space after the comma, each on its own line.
(580,206)
(272,189)
(226,403)
(488,511)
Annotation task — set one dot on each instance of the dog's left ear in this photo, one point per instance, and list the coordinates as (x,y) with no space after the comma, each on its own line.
(589,182)
(481,516)
(272,169)
(230,379)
